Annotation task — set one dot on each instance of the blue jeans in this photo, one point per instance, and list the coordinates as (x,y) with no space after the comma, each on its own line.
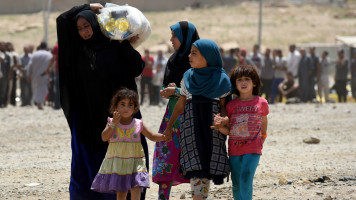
(243,169)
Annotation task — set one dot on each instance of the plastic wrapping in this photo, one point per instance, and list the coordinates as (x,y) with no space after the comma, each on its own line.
(123,22)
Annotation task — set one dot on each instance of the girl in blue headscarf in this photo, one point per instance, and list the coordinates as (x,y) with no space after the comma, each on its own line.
(203,155)
(165,171)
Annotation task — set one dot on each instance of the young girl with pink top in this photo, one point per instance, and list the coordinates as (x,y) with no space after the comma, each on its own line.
(124,165)
(246,125)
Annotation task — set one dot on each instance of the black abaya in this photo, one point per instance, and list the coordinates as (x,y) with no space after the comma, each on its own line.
(90,72)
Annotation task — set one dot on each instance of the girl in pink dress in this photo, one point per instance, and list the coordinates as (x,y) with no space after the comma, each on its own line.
(124,165)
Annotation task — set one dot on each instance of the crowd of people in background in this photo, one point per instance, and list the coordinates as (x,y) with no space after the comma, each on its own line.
(34,73)
(300,76)
(293,77)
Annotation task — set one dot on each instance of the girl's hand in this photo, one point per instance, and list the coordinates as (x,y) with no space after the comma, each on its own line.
(116,117)
(168,91)
(171,85)
(219,121)
(168,134)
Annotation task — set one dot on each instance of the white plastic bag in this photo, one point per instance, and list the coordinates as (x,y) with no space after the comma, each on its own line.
(123,22)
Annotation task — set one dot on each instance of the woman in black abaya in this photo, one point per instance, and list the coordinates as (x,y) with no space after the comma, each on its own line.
(91,69)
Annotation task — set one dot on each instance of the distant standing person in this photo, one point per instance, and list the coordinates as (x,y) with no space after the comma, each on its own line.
(146,77)
(315,65)
(57,104)
(5,62)
(160,63)
(305,71)
(353,76)
(323,77)
(37,74)
(14,69)
(341,76)
(267,74)
(257,58)
(293,60)
(246,59)
(240,59)
(229,61)
(25,85)
(280,69)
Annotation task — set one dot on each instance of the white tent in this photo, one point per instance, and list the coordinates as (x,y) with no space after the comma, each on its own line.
(346,40)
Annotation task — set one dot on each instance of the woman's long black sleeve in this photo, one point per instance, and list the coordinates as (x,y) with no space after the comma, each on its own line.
(132,59)
(67,37)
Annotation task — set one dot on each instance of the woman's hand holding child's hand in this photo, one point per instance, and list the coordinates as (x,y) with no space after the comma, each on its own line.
(168,134)
(219,121)
(221,124)
(168,91)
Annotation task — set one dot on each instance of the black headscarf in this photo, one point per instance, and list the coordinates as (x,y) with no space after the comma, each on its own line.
(97,41)
(178,63)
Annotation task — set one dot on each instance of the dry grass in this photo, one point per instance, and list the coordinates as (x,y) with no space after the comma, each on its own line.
(281,25)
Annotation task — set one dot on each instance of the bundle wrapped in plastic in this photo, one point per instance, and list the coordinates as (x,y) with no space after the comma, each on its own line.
(123,22)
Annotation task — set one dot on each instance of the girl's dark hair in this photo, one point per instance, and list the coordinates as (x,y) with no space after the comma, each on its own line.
(124,93)
(247,71)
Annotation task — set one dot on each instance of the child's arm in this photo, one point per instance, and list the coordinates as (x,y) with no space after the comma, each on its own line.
(224,130)
(109,129)
(221,119)
(264,128)
(156,137)
(170,90)
(178,109)
(223,107)
(107,132)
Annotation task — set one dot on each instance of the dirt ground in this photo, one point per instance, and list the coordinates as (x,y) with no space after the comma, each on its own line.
(35,154)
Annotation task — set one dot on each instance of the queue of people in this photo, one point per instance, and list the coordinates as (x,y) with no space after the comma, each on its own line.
(32,73)
(310,72)
(308,69)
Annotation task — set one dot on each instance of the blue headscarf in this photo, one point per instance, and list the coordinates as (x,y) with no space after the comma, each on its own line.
(178,62)
(177,30)
(211,81)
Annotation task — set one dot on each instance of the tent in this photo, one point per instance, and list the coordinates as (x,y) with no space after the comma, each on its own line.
(347,40)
